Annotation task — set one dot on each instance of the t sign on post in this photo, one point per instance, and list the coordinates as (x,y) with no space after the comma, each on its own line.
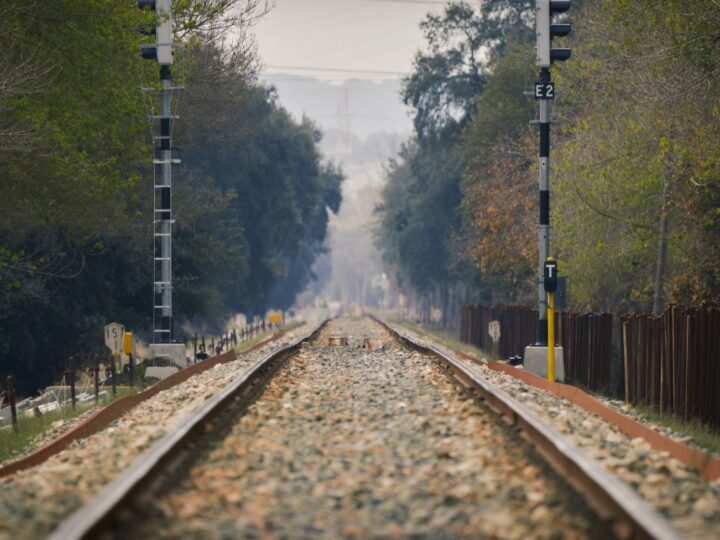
(550,275)
(550,283)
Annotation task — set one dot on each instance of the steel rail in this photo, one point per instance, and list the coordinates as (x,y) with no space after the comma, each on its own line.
(90,518)
(613,500)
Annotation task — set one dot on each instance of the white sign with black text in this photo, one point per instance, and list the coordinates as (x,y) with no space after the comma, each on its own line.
(114,337)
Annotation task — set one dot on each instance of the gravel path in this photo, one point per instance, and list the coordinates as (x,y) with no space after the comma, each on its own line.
(34,501)
(691,503)
(347,442)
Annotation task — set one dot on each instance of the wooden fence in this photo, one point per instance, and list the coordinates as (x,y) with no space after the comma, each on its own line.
(672,361)
(587,348)
(586,339)
(517,327)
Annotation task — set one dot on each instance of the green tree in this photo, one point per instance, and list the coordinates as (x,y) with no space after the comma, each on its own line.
(420,228)
(499,203)
(75,246)
(637,183)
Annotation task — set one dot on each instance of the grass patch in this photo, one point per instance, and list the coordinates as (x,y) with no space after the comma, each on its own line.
(16,444)
(292,326)
(451,341)
(245,346)
(13,444)
(700,434)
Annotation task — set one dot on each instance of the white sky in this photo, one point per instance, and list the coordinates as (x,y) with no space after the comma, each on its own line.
(359,35)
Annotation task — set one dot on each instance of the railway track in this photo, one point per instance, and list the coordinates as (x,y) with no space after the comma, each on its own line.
(319,440)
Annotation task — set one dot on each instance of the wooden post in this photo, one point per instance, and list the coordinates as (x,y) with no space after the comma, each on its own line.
(96,371)
(132,370)
(551,337)
(195,345)
(11,399)
(71,379)
(625,359)
(112,374)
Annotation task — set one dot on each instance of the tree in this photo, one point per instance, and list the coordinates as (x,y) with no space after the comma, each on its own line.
(452,73)
(251,198)
(642,135)
(499,203)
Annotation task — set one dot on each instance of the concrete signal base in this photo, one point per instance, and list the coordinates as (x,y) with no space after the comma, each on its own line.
(536,362)
(174,352)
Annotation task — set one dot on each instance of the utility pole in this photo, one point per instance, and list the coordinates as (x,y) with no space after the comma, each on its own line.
(537,354)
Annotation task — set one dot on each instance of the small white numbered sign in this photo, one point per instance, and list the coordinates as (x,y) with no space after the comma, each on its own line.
(114,337)
(494,330)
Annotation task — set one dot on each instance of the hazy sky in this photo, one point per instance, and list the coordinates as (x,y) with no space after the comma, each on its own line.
(378,36)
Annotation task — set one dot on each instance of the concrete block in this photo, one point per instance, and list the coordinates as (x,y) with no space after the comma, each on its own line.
(170,353)
(536,362)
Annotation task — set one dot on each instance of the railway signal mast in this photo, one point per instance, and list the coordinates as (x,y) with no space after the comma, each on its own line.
(544,92)
(162,52)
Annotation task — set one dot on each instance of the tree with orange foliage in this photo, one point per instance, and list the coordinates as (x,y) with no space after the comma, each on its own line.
(500,213)
(499,206)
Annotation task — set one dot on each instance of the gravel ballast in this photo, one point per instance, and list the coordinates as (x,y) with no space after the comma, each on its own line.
(347,442)
(690,503)
(34,501)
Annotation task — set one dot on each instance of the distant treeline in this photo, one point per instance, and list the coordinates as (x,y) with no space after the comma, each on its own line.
(635,160)
(250,199)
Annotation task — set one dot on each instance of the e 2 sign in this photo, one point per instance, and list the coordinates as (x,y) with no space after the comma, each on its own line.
(544,90)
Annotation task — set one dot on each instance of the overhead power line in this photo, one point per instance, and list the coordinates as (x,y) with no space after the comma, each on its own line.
(339,70)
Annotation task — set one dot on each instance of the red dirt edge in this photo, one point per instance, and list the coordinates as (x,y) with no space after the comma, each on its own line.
(103,417)
(707,465)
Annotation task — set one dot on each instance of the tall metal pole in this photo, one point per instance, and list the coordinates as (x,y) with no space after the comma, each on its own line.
(540,357)
(162,313)
(163,344)
(544,222)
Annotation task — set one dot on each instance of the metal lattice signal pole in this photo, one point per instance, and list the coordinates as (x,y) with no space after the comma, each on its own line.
(162,216)
(163,162)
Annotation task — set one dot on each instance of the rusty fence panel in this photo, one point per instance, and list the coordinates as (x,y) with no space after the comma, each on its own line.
(520,324)
(587,348)
(671,362)
(586,339)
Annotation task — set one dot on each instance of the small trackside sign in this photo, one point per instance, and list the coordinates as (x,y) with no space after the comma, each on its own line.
(550,277)
(494,330)
(544,90)
(114,337)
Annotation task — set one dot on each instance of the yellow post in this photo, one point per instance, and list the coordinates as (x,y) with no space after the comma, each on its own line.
(128,342)
(551,337)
